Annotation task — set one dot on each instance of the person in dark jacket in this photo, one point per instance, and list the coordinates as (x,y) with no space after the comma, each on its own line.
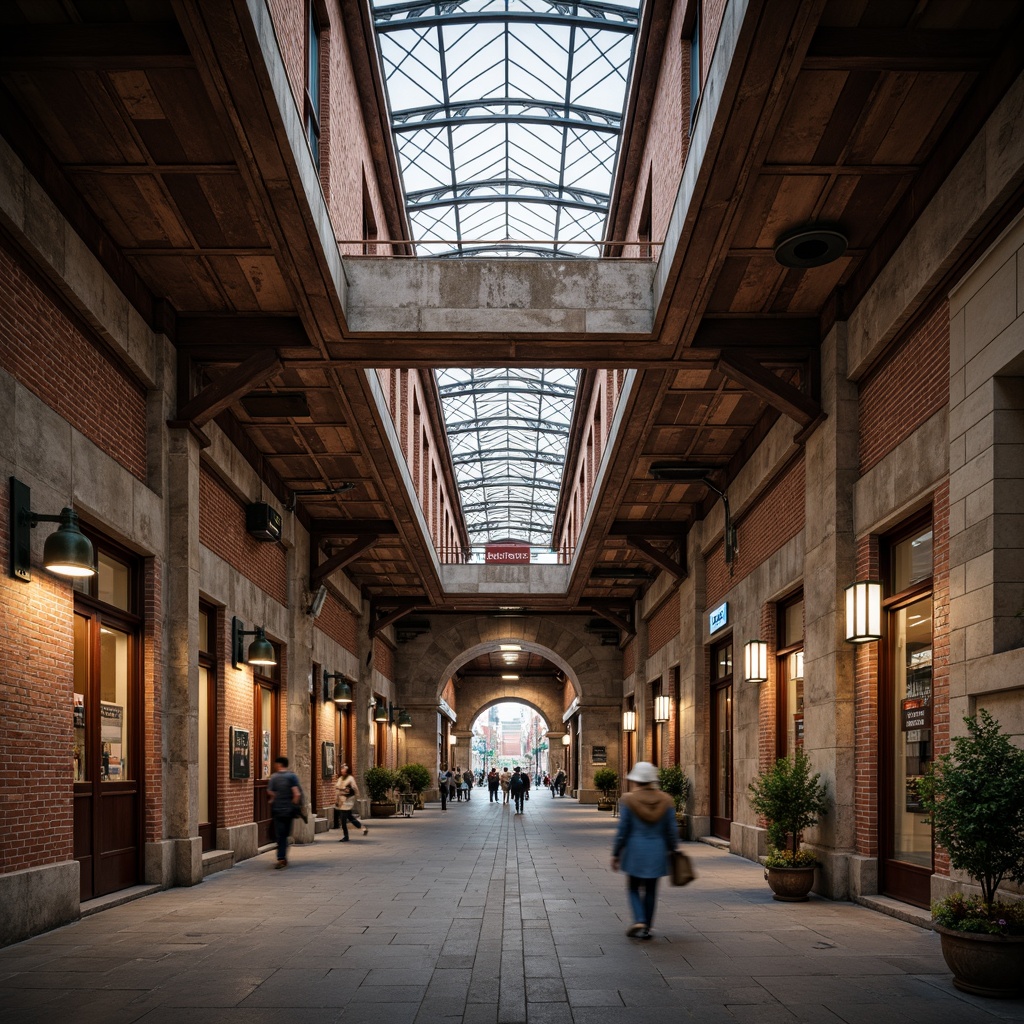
(517,787)
(285,793)
(646,836)
(467,777)
(493,784)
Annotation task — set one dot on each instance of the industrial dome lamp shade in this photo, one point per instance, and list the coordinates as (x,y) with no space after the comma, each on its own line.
(404,719)
(66,552)
(380,711)
(863,612)
(810,246)
(342,692)
(261,650)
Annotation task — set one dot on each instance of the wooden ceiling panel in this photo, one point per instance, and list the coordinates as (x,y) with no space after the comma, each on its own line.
(807,117)
(670,441)
(283,440)
(690,380)
(812,289)
(760,277)
(185,280)
(216,209)
(252,283)
(202,136)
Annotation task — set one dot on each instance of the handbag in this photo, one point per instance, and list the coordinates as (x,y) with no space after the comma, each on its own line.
(682,868)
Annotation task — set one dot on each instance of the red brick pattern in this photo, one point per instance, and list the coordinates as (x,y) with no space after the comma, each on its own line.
(383,659)
(222,530)
(774,518)
(152,699)
(908,388)
(865,720)
(44,349)
(940,637)
(337,622)
(664,624)
(767,731)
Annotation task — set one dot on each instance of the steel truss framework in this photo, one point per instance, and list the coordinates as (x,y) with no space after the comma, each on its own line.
(508,431)
(507,117)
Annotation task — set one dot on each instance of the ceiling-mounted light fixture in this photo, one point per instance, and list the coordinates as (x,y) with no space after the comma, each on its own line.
(261,650)
(755,661)
(662,707)
(509,647)
(66,552)
(810,246)
(863,611)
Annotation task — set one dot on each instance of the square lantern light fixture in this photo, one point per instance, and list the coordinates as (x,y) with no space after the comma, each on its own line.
(863,611)
(662,708)
(629,721)
(755,661)
(795,668)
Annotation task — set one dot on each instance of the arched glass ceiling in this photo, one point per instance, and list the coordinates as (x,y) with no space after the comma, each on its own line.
(508,431)
(506,116)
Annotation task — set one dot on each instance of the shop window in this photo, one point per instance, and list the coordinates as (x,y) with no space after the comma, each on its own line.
(789,676)
(312,97)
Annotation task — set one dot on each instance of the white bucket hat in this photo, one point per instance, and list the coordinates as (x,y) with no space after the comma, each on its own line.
(643,772)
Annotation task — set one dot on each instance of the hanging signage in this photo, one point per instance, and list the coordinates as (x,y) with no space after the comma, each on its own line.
(507,553)
(718,617)
(917,714)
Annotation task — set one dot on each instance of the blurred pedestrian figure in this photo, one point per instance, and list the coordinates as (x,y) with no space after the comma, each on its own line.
(457,780)
(646,836)
(285,796)
(345,801)
(442,788)
(452,785)
(467,778)
(504,779)
(493,784)
(559,783)
(517,787)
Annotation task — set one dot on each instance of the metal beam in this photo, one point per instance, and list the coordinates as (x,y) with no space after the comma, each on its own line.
(106,46)
(670,565)
(757,333)
(399,607)
(770,387)
(340,559)
(352,528)
(226,390)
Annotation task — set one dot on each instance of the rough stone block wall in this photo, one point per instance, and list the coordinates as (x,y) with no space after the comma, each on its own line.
(47,351)
(337,622)
(773,519)
(664,624)
(910,386)
(36,634)
(222,530)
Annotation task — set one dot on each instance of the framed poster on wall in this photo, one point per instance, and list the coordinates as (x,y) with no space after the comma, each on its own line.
(327,760)
(599,755)
(238,744)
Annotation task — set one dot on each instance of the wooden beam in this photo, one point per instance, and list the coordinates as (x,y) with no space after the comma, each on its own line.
(124,45)
(228,389)
(757,333)
(674,530)
(770,387)
(621,624)
(915,49)
(196,333)
(658,557)
(340,559)
(399,607)
(323,528)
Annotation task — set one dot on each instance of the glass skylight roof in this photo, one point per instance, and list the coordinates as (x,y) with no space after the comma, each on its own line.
(508,431)
(507,116)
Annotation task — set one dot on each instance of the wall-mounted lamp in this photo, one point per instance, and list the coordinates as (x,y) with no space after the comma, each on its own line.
(755,661)
(683,472)
(795,667)
(863,611)
(629,721)
(452,739)
(67,551)
(261,650)
(404,719)
(380,710)
(566,739)
(662,708)
(342,691)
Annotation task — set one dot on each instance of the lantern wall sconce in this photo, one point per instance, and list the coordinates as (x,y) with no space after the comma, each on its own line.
(755,661)
(629,721)
(796,665)
(67,551)
(662,708)
(452,739)
(566,739)
(342,690)
(404,719)
(863,612)
(261,650)
(380,710)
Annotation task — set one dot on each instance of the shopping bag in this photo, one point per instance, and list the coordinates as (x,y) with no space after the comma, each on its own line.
(682,868)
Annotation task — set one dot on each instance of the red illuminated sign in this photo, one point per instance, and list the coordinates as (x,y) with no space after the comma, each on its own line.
(507,553)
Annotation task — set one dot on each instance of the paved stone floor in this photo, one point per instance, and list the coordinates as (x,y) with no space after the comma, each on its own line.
(479,916)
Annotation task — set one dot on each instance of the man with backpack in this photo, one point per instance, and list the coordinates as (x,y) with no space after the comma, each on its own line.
(517,787)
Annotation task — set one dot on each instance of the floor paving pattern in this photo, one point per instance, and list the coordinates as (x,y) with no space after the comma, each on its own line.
(480,916)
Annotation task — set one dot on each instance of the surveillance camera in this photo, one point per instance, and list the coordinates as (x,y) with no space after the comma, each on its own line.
(317,604)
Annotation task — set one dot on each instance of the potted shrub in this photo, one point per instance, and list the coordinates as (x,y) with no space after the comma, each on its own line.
(606,779)
(790,799)
(673,781)
(379,783)
(416,778)
(975,798)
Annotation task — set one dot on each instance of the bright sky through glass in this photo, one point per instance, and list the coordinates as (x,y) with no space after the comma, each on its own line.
(507,117)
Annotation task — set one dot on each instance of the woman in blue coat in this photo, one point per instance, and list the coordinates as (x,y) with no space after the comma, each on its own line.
(647,834)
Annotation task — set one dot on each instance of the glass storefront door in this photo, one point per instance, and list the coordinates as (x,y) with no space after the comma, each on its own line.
(721,740)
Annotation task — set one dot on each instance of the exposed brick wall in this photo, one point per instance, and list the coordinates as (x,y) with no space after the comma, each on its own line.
(940,637)
(152,698)
(222,530)
(890,409)
(865,720)
(338,622)
(664,624)
(775,518)
(36,740)
(383,659)
(44,349)
(767,715)
(235,707)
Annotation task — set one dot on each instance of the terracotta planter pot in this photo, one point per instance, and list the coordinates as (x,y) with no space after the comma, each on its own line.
(790,885)
(605,805)
(985,965)
(382,810)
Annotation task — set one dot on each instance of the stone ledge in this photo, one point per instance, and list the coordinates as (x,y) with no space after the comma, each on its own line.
(38,899)
(894,908)
(117,899)
(217,860)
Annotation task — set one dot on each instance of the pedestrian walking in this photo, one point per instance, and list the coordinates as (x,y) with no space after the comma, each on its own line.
(442,788)
(646,836)
(504,779)
(457,781)
(526,785)
(285,798)
(467,778)
(559,783)
(517,787)
(493,784)
(452,787)
(345,801)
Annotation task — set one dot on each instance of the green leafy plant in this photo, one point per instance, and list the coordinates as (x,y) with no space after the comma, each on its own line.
(673,781)
(975,798)
(790,799)
(606,779)
(416,777)
(379,783)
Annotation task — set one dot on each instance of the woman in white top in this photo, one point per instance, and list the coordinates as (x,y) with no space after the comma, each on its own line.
(345,802)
